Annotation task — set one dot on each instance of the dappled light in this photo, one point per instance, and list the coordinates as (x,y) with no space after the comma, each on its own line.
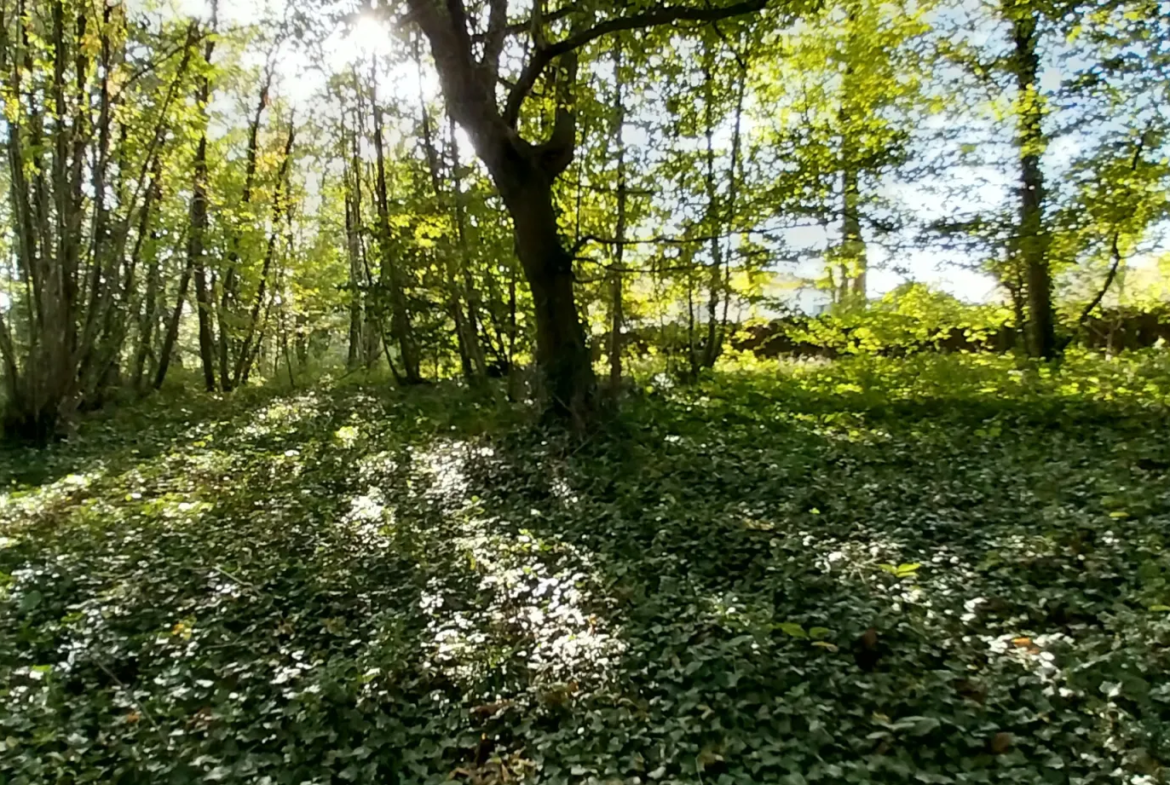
(757,581)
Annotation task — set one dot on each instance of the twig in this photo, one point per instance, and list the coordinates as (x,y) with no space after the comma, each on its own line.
(234,579)
(130,694)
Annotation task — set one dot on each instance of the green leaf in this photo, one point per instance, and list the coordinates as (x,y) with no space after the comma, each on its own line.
(30,601)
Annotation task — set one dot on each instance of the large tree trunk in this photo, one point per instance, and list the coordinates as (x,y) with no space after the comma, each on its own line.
(561,353)
(524,172)
(1030,247)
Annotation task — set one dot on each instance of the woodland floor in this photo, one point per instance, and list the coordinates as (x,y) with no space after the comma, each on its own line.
(355,584)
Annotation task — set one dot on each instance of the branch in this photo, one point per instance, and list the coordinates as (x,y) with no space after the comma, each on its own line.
(520,28)
(656,17)
(557,153)
(669,240)
(493,42)
(1114,248)
(1116,252)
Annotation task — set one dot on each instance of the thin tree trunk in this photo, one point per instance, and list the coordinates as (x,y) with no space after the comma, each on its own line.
(617,269)
(852,252)
(172,334)
(513,371)
(280,210)
(198,228)
(460,207)
(147,322)
(732,194)
(473,371)
(353,284)
(400,326)
(230,291)
(353,253)
(715,274)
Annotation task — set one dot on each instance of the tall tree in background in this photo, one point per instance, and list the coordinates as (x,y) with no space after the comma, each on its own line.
(197,225)
(852,260)
(617,269)
(1029,249)
(391,275)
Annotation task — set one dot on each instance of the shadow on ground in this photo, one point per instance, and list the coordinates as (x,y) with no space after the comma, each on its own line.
(350,586)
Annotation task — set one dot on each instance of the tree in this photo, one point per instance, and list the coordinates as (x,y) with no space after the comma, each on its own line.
(90,110)
(1029,248)
(523,171)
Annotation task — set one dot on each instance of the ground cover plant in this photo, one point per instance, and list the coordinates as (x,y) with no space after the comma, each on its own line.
(934,569)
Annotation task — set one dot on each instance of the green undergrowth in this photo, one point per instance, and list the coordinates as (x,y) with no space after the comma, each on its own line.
(364,585)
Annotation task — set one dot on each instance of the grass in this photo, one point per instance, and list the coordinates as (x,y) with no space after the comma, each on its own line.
(366,585)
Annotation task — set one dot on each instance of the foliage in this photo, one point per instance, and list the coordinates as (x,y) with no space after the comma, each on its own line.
(911,318)
(359,584)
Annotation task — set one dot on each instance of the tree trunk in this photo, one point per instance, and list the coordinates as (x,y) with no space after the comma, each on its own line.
(853,260)
(853,252)
(617,270)
(469,287)
(352,241)
(230,293)
(715,270)
(147,322)
(353,252)
(1030,246)
(198,228)
(561,352)
(195,240)
(470,356)
(172,333)
(400,326)
(280,211)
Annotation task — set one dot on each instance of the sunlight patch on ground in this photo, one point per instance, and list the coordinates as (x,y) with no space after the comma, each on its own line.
(283,415)
(19,504)
(537,611)
(537,594)
(370,518)
(444,464)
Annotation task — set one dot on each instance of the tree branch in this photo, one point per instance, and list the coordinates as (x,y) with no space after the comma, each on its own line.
(557,153)
(1114,247)
(493,42)
(520,28)
(655,17)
